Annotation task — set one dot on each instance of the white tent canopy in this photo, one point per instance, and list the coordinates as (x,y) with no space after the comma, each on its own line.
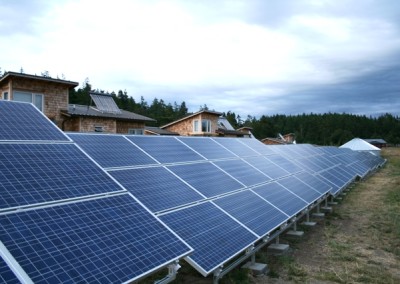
(358,144)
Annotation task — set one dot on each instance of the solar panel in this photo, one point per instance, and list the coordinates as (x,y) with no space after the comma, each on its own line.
(207,147)
(165,149)
(215,237)
(258,146)
(242,171)
(337,182)
(206,178)
(112,150)
(35,173)
(238,148)
(105,103)
(22,121)
(300,189)
(253,211)
(315,182)
(268,168)
(284,163)
(6,274)
(282,198)
(156,187)
(104,240)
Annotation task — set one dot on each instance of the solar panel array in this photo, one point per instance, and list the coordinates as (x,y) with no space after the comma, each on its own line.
(223,195)
(105,103)
(115,208)
(63,219)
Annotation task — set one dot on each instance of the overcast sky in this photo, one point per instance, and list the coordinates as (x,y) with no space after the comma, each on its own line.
(250,57)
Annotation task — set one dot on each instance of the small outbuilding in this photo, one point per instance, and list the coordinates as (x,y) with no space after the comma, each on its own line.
(361,145)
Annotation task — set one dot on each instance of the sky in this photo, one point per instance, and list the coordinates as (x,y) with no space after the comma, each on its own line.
(251,57)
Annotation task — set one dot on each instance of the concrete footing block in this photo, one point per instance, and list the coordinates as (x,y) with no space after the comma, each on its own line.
(326,209)
(294,234)
(309,224)
(277,249)
(256,268)
(318,215)
(332,203)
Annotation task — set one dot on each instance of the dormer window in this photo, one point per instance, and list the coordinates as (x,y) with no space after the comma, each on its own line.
(206,125)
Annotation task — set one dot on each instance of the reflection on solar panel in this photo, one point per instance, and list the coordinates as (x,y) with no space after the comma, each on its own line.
(22,121)
(206,178)
(242,171)
(35,173)
(300,189)
(6,275)
(215,237)
(253,211)
(284,163)
(265,166)
(258,146)
(156,187)
(282,198)
(315,182)
(105,240)
(207,147)
(236,147)
(105,103)
(111,150)
(165,149)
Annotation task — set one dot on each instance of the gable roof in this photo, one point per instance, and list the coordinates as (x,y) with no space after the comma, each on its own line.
(158,131)
(358,144)
(379,141)
(81,110)
(10,75)
(192,115)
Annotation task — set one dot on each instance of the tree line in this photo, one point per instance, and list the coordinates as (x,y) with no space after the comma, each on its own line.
(322,129)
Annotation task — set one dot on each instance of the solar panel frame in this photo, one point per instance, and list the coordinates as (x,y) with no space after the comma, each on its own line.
(207,147)
(107,240)
(24,122)
(105,103)
(267,167)
(304,191)
(6,274)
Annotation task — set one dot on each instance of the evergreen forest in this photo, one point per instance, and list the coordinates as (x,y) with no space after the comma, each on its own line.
(321,129)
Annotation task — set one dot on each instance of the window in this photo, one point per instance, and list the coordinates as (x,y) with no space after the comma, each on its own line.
(206,125)
(36,99)
(196,126)
(98,128)
(5,96)
(135,131)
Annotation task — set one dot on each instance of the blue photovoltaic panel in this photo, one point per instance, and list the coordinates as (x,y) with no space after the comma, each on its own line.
(282,198)
(338,183)
(315,182)
(107,240)
(309,164)
(242,171)
(253,211)
(233,145)
(284,163)
(300,189)
(214,236)
(207,147)
(206,178)
(35,173)
(165,149)
(111,150)
(6,274)
(268,168)
(258,146)
(22,121)
(156,187)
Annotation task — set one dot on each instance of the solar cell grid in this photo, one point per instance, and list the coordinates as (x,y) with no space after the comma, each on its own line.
(284,163)
(214,236)
(242,171)
(315,182)
(268,168)
(35,173)
(282,198)
(111,150)
(22,121)
(253,211)
(6,274)
(300,189)
(238,148)
(106,240)
(206,178)
(258,146)
(207,147)
(166,149)
(156,187)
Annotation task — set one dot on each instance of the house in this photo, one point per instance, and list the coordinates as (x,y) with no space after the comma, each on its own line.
(281,139)
(205,123)
(152,130)
(51,97)
(48,94)
(380,143)
(105,116)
